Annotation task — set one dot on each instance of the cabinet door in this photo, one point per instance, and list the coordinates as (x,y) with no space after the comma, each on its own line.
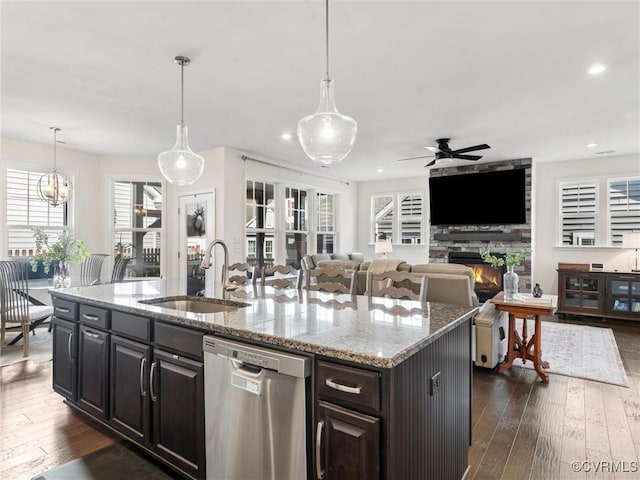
(177,395)
(65,351)
(93,374)
(129,410)
(347,444)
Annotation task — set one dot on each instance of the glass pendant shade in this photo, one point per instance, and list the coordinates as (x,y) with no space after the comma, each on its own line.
(180,165)
(327,136)
(54,188)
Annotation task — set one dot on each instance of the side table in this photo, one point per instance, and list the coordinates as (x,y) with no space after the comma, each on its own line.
(519,345)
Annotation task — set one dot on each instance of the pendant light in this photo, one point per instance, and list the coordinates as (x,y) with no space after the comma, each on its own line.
(181,165)
(54,187)
(327,136)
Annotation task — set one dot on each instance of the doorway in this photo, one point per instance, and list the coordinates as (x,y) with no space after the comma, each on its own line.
(196,231)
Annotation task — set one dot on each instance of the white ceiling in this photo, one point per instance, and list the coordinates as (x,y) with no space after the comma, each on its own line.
(510,74)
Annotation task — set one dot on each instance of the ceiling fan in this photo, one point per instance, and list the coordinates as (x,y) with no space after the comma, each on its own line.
(443,151)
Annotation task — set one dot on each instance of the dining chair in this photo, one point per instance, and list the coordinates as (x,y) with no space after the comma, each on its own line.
(119,269)
(91,268)
(240,273)
(399,285)
(281,276)
(16,306)
(333,280)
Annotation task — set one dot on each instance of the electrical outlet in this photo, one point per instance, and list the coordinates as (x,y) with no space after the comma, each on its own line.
(435,383)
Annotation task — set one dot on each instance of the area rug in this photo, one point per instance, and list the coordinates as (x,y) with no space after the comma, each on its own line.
(117,461)
(40,348)
(579,351)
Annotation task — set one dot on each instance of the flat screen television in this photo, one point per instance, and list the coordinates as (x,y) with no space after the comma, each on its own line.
(489,198)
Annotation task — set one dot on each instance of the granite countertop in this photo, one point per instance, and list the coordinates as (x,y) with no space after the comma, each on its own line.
(380,333)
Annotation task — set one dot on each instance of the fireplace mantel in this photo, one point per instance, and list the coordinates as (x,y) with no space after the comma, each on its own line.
(483,236)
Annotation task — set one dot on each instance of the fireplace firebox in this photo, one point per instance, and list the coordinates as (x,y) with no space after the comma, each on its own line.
(488,279)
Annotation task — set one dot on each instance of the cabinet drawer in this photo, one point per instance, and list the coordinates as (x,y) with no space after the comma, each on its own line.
(182,340)
(65,309)
(131,325)
(94,316)
(353,385)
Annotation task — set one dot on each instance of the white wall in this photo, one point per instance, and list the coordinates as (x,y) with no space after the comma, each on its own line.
(546,252)
(85,170)
(413,254)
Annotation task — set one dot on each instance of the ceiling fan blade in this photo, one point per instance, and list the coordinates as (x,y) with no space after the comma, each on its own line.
(433,149)
(471,149)
(413,158)
(467,157)
(432,162)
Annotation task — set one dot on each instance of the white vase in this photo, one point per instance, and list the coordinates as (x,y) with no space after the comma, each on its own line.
(510,284)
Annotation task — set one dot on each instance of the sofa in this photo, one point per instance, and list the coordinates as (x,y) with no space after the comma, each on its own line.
(451,283)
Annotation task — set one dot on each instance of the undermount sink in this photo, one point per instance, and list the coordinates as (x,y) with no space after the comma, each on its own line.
(185,303)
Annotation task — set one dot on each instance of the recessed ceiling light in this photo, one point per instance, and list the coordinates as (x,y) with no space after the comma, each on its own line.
(592,145)
(285,136)
(596,69)
(379,170)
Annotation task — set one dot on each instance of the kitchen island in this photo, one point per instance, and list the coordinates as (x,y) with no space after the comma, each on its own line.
(405,411)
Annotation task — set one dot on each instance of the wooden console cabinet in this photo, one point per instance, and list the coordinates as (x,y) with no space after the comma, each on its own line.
(599,294)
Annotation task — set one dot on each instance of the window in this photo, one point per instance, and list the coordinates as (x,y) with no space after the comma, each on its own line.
(325,223)
(578,209)
(410,219)
(382,215)
(25,209)
(260,222)
(398,218)
(583,220)
(624,208)
(295,225)
(137,222)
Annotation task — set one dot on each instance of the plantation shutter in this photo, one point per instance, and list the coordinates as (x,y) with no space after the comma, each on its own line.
(579,206)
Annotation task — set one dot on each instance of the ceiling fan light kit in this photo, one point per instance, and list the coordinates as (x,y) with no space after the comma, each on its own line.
(327,136)
(54,187)
(180,165)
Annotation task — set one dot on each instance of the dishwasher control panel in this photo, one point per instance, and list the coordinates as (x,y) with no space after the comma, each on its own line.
(259,360)
(261,357)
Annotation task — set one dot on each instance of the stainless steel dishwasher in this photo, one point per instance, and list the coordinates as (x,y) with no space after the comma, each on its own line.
(255,412)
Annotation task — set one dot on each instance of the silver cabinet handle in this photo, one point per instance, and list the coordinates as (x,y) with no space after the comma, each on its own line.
(151,375)
(343,388)
(95,318)
(319,471)
(69,348)
(63,310)
(143,392)
(91,334)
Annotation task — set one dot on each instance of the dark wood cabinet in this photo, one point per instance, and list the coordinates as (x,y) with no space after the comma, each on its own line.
(65,351)
(347,444)
(93,371)
(599,294)
(390,423)
(623,296)
(129,406)
(580,292)
(177,394)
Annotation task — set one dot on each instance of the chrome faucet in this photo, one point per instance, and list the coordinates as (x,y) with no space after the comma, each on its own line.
(206,263)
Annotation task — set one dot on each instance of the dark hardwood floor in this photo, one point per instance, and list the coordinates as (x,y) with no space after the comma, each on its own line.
(522,428)
(526,429)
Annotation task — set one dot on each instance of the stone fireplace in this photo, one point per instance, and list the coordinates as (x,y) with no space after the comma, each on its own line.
(463,243)
(488,279)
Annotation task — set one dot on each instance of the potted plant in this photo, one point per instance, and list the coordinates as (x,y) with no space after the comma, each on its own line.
(65,251)
(511,260)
